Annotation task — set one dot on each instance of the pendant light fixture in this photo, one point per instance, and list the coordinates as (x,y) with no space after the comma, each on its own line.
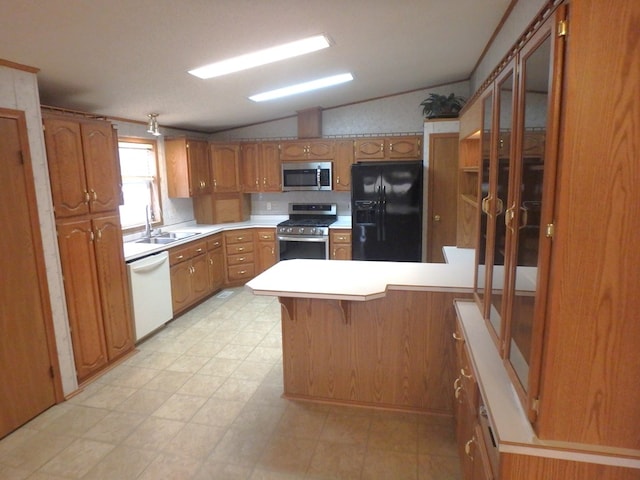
(153,127)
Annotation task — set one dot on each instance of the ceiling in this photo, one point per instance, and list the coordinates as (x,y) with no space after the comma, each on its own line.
(129,58)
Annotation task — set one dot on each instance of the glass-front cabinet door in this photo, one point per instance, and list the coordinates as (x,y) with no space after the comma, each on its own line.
(483,255)
(505,88)
(531,209)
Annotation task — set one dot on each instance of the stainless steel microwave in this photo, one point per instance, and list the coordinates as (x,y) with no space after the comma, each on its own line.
(306,176)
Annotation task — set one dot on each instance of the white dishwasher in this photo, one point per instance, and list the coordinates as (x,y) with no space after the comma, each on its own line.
(150,283)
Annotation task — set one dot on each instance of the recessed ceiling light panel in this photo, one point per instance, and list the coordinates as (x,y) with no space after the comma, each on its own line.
(302,87)
(262,57)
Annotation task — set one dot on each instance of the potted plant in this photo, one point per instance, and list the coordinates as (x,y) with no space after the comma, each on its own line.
(442,106)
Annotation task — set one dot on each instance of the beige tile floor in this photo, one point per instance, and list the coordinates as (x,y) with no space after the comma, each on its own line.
(202,400)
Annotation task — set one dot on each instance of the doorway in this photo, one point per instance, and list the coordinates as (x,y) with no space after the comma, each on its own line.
(28,358)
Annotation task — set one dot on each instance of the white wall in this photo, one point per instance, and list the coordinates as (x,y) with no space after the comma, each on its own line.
(19,91)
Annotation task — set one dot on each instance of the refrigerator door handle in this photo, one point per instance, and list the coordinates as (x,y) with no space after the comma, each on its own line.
(379,215)
(383,209)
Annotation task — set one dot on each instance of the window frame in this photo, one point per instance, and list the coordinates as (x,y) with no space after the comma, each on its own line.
(156,197)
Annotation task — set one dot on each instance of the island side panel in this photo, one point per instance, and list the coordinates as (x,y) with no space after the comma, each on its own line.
(394,352)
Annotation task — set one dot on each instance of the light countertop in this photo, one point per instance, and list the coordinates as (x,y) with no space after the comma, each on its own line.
(359,280)
(133,250)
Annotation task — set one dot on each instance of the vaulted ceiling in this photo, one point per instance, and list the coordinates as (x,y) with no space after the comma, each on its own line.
(129,58)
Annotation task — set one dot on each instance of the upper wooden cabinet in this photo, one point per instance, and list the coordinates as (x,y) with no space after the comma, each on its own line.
(188,171)
(307,150)
(225,167)
(342,166)
(388,148)
(260,167)
(83,165)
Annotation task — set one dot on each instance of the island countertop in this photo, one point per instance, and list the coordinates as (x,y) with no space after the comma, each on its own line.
(359,280)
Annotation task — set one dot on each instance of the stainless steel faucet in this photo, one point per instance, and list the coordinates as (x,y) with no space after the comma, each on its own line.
(147,221)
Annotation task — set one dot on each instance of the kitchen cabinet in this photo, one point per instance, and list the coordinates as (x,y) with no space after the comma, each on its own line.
(388,148)
(340,244)
(86,192)
(96,291)
(554,316)
(215,258)
(188,171)
(189,268)
(239,256)
(292,150)
(83,172)
(226,203)
(260,167)
(342,166)
(265,249)
(225,167)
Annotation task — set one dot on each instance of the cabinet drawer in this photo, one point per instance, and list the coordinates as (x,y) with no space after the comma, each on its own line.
(236,248)
(213,243)
(187,251)
(239,236)
(239,272)
(342,237)
(240,259)
(266,235)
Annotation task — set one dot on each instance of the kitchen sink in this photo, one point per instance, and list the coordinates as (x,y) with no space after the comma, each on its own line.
(166,237)
(157,240)
(176,235)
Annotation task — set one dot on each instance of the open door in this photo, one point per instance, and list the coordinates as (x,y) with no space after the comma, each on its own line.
(28,359)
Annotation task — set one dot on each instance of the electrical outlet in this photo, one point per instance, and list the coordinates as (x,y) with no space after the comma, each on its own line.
(268,205)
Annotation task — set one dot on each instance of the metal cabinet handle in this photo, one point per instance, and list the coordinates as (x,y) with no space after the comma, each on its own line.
(465,374)
(467,447)
(457,337)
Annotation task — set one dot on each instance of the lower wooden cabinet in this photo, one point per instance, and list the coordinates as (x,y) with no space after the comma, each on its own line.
(240,257)
(265,249)
(215,257)
(96,291)
(189,274)
(340,244)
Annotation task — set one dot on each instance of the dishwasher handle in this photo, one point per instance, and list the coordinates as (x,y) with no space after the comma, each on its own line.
(148,267)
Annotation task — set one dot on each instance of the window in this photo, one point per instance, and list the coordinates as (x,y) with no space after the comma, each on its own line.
(140,184)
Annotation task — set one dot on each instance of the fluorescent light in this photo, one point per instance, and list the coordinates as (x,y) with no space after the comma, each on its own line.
(302,87)
(262,57)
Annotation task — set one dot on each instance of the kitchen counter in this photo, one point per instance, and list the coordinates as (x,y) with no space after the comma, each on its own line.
(133,250)
(359,280)
(368,333)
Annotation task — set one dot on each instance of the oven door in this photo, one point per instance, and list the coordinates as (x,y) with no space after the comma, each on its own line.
(292,246)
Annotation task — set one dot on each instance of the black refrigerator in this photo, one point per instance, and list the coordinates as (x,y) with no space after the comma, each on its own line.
(386,211)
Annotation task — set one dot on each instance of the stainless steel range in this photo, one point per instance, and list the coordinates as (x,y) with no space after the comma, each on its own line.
(306,233)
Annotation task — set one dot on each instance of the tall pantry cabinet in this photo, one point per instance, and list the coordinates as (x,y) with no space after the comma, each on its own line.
(548,362)
(86,188)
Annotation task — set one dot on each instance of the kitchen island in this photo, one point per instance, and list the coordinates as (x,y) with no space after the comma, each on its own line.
(368,333)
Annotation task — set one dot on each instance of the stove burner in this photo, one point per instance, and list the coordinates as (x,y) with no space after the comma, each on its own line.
(310,220)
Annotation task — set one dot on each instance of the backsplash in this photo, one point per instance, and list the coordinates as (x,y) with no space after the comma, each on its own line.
(278,203)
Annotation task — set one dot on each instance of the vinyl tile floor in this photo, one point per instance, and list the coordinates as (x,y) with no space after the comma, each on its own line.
(201,400)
